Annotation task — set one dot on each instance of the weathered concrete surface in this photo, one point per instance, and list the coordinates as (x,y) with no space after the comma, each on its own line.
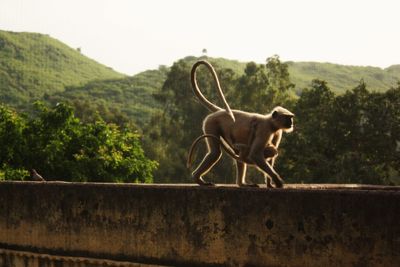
(15,258)
(191,225)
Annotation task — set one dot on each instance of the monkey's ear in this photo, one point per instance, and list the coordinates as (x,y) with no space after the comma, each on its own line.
(275,114)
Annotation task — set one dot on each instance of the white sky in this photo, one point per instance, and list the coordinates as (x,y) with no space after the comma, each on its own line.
(135,35)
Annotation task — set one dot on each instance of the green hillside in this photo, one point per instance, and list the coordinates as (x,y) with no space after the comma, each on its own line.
(33,64)
(341,78)
(130,96)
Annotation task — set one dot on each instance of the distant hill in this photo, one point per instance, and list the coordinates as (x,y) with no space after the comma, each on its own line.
(133,96)
(341,78)
(33,64)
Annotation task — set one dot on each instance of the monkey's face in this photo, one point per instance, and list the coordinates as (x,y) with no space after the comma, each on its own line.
(288,123)
(283,119)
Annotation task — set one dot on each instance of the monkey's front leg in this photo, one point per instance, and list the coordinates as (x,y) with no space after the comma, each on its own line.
(259,160)
(241,175)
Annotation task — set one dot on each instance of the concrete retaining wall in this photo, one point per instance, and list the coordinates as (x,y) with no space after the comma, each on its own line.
(183,225)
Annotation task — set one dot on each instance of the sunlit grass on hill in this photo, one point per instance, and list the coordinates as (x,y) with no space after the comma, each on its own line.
(341,77)
(37,67)
(33,64)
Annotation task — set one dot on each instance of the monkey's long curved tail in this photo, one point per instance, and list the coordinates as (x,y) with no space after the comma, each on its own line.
(201,97)
(223,144)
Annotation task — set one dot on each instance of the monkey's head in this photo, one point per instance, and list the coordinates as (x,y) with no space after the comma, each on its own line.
(283,119)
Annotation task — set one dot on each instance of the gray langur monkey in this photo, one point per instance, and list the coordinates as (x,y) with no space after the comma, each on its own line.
(249,138)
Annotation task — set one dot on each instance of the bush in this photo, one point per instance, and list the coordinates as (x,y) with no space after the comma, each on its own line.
(58,145)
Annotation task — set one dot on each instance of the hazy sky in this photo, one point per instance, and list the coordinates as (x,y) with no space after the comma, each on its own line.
(134,35)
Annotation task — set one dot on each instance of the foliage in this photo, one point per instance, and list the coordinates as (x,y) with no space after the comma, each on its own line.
(9,173)
(60,146)
(351,138)
(120,101)
(269,82)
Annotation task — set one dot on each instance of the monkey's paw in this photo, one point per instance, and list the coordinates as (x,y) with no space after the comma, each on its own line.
(204,183)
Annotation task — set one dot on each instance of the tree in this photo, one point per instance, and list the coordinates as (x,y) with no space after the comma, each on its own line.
(262,87)
(350,138)
(307,153)
(12,144)
(173,131)
(251,87)
(279,85)
(61,147)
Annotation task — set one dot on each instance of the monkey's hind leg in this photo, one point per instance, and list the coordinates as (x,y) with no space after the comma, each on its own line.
(268,181)
(241,175)
(213,155)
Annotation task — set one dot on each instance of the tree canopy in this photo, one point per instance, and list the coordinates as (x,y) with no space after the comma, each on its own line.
(347,138)
(61,147)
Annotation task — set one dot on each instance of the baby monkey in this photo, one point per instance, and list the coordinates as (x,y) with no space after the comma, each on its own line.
(249,138)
